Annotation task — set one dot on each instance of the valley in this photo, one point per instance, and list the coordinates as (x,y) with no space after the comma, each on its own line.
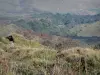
(48,43)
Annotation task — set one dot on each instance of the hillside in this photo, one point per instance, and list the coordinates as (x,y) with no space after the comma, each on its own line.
(87,30)
(49,37)
(36,54)
(29,57)
(55,24)
(43,38)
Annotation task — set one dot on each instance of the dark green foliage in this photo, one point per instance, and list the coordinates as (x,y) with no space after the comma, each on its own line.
(55,24)
(97,46)
(80,19)
(22,23)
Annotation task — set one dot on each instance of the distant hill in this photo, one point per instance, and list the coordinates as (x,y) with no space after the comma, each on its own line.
(55,24)
(50,23)
(92,29)
(96,10)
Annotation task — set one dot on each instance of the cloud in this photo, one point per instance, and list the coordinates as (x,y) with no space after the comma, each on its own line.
(62,6)
(66,5)
(9,5)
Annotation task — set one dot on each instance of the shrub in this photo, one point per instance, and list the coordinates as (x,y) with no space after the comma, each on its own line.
(97,46)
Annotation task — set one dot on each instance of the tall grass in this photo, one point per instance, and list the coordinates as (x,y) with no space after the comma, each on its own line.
(31,58)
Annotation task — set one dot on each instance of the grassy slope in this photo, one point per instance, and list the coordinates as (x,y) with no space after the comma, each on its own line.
(31,58)
(24,54)
(87,29)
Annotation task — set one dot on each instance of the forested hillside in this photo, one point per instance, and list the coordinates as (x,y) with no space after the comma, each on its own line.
(55,24)
(87,30)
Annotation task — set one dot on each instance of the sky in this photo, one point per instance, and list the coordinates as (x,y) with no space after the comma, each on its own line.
(66,5)
(61,6)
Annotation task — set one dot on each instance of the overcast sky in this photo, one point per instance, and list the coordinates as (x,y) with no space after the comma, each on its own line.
(66,5)
(52,5)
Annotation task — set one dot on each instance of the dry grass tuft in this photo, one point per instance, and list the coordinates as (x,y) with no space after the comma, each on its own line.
(31,58)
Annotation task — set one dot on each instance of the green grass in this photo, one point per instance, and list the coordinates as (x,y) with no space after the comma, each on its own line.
(22,41)
(26,54)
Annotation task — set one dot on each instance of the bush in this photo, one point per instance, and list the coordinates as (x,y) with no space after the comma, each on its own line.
(97,46)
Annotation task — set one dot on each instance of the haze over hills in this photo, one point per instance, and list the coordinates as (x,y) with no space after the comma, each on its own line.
(29,15)
(33,6)
(49,23)
(87,29)
(16,8)
(49,37)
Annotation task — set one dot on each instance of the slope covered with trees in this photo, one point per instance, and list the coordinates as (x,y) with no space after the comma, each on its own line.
(55,24)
